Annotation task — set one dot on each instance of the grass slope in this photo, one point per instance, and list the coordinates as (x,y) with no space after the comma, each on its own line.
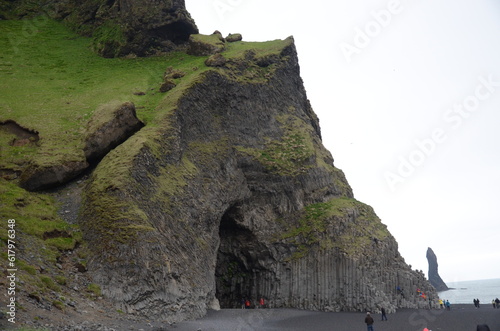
(52,82)
(350,236)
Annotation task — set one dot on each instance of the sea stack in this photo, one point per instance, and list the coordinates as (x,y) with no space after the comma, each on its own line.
(434,277)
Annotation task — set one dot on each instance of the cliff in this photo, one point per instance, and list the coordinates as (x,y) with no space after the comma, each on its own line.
(225,191)
(433,274)
(117,27)
(232,195)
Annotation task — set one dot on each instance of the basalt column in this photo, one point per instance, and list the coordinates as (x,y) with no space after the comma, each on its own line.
(240,271)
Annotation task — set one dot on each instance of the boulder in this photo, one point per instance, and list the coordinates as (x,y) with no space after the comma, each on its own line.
(167,85)
(216,60)
(111,124)
(172,73)
(39,177)
(233,37)
(204,45)
(219,35)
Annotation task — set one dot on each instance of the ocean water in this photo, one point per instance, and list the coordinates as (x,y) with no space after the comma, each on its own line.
(464,292)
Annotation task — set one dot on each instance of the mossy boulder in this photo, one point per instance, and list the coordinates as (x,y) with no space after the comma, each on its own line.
(204,45)
(167,85)
(111,124)
(45,176)
(233,37)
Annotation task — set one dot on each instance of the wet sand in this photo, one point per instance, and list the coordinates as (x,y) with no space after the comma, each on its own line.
(459,318)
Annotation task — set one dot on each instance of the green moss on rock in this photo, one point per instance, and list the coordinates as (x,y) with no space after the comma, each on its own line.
(292,154)
(204,45)
(109,39)
(341,223)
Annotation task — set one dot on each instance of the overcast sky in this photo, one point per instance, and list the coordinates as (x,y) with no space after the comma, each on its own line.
(408,97)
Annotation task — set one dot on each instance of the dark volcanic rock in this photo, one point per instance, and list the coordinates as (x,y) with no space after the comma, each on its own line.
(232,194)
(433,275)
(216,60)
(233,37)
(172,73)
(38,177)
(122,27)
(109,126)
(167,85)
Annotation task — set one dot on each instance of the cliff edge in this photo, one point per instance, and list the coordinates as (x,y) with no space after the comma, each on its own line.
(232,195)
(222,190)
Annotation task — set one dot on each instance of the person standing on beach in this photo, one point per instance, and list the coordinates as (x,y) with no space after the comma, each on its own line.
(441,303)
(448,305)
(369,321)
(384,316)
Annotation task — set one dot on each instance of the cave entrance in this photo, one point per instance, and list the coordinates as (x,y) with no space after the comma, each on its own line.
(237,268)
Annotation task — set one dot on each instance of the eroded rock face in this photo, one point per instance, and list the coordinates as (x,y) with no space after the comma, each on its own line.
(110,125)
(434,277)
(123,27)
(235,196)
(38,177)
(23,136)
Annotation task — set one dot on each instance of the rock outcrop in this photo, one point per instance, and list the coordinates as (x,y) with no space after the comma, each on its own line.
(46,176)
(232,37)
(110,125)
(231,194)
(433,274)
(119,27)
(202,45)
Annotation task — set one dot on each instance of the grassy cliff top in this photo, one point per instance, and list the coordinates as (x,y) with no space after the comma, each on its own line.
(52,82)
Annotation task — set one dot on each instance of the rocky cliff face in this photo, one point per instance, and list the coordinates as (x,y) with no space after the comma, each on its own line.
(226,191)
(433,274)
(118,27)
(231,194)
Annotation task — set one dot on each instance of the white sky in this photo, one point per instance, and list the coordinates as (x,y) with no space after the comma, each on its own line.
(408,97)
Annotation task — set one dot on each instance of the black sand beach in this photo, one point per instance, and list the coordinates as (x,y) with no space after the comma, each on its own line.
(459,318)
